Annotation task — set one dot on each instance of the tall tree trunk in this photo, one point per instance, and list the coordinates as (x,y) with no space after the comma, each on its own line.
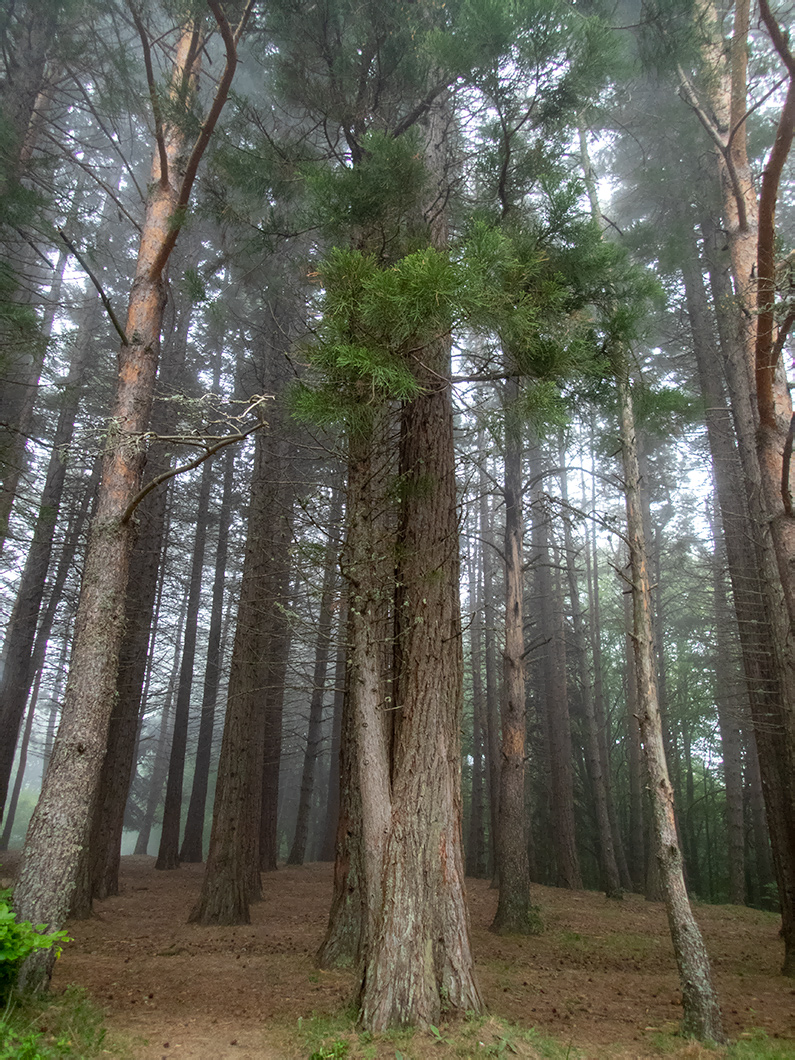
(227,883)
(556,704)
(490,666)
(607,858)
(335,769)
(192,845)
(419,958)
(476,846)
(313,737)
(760,402)
(344,941)
(140,625)
(513,909)
(595,628)
(18,670)
(168,853)
(701,1011)
(61,823)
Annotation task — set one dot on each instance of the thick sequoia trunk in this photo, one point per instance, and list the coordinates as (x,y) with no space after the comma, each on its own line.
(61,823)
(368,568)
(343,943)
(513,908)
(418,961)
(701,1011)
(322,651)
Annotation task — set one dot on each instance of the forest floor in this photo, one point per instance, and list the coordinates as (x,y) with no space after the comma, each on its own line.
(599,982)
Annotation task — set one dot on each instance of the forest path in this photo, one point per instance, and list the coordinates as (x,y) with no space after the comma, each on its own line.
(600,977)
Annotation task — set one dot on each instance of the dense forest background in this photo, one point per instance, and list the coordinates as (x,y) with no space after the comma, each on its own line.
(573,222)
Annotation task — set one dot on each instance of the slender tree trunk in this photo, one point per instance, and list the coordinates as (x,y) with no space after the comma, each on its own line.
(313,738)
(21,765)
(592,572)
(331,826)
(476,847)
(701,1015)
(513,909)
(607,859)
(18,647)
(160,763)
(168,853)
(490,666)
(192,846)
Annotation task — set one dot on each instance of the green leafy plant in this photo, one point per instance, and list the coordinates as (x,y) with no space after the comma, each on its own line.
(18,939)
(336,1051)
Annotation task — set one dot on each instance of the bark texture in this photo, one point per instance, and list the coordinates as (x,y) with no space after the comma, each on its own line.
(701,1011)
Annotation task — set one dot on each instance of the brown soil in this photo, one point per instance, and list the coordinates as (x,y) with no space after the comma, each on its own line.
(601,977)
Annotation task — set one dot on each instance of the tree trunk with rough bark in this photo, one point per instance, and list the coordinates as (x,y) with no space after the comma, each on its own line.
(419,962)
(701,1011)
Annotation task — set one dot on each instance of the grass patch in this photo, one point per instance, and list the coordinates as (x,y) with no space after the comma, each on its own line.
(67,1025)
(753,1046)
(324,1038)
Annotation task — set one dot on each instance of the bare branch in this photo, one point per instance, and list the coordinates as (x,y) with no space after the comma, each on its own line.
(230,39)
(780,41)
(150,78)
(105,301)
(221,443)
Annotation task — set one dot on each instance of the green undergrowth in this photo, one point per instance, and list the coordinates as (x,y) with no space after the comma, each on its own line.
(65,1025)
(324,1038)
(754,1045)
(338,1038)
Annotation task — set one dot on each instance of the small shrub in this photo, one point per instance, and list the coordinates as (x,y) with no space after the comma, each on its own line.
(18,939)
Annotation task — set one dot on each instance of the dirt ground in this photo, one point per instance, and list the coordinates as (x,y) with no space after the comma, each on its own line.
(600,979)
